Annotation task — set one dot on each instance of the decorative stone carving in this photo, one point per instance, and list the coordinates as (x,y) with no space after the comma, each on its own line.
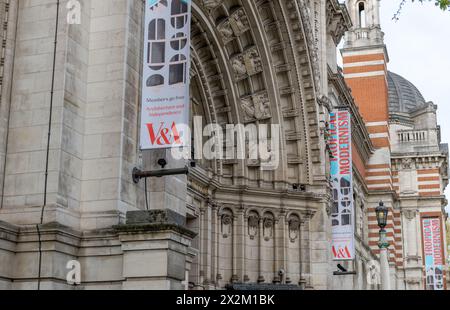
(253,222)
(268,228)
(226,32)
(256,107)
(294,229)
(407,163)
(234,26)
(238,65)
(247,64)
(211,4)
(410,214)
(239,22)
(227,225)
(253,61)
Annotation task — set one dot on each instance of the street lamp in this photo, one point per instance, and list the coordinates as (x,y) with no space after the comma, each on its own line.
(382,213)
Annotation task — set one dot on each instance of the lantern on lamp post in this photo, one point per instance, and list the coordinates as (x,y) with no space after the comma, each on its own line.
(382,213)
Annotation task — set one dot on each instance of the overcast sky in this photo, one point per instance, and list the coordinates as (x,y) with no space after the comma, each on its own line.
(419,49)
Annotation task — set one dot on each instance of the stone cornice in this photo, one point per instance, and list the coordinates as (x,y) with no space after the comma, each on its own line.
(338,20)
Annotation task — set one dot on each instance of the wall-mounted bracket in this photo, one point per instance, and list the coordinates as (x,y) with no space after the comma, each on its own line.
(139,174)
(341,273)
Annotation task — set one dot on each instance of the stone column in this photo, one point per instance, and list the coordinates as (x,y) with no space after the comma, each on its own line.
(207,244)
(215,244)
(217,258)
(200,246)
(385,270)
(410,216)
(260,258)
(277,278)
(235,277)
(284,242)
(240,239)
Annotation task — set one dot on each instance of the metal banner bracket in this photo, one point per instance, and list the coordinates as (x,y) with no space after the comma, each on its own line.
(139,174)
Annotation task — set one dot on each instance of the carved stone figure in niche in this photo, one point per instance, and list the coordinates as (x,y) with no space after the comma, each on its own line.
(294,229)
(268,228)
(248,63)
(227,225)
(262,106)
(256,107)
(253,222)
(239,66)
(239,22)
(226,32)
(211,4)
(253,61)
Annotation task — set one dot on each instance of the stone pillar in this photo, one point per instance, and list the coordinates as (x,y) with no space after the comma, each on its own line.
(260,253)
(218,232)
(155,247)
(215,247)
(410,216)
(206,229)
(240,240)
(276,265)
(284,245)
(201,256)
(235,277)
(385,270)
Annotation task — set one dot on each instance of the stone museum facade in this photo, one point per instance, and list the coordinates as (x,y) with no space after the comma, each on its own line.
(69,141)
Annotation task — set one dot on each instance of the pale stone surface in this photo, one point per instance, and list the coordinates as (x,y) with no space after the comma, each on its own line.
(245,218)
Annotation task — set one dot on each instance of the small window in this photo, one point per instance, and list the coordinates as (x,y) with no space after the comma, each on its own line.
(155,80)
(178,41)
(362,15)
(157,30)
(177,70)
(179,7)
(179,14)
(156,44)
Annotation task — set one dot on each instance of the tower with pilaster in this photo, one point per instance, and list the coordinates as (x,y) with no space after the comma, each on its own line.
(365,60)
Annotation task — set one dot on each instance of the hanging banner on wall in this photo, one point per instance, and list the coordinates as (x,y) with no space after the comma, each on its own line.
(433,254)
(165,87)
(342,218)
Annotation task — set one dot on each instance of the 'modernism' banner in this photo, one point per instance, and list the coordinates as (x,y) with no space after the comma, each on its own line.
(165,87)
(433,253)
(343,239)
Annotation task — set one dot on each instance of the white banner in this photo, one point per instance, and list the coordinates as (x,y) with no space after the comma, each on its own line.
(343,238)
(165,87)
(433,254)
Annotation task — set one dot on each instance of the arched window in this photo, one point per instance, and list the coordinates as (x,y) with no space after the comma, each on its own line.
(177,69)
(178,41)
(362,15)
(179,12)
(155,80)
(156,44)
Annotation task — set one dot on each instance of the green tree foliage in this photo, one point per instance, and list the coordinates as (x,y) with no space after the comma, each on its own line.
(442,4)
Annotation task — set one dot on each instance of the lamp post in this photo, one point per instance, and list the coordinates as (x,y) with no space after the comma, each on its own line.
(382,214)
